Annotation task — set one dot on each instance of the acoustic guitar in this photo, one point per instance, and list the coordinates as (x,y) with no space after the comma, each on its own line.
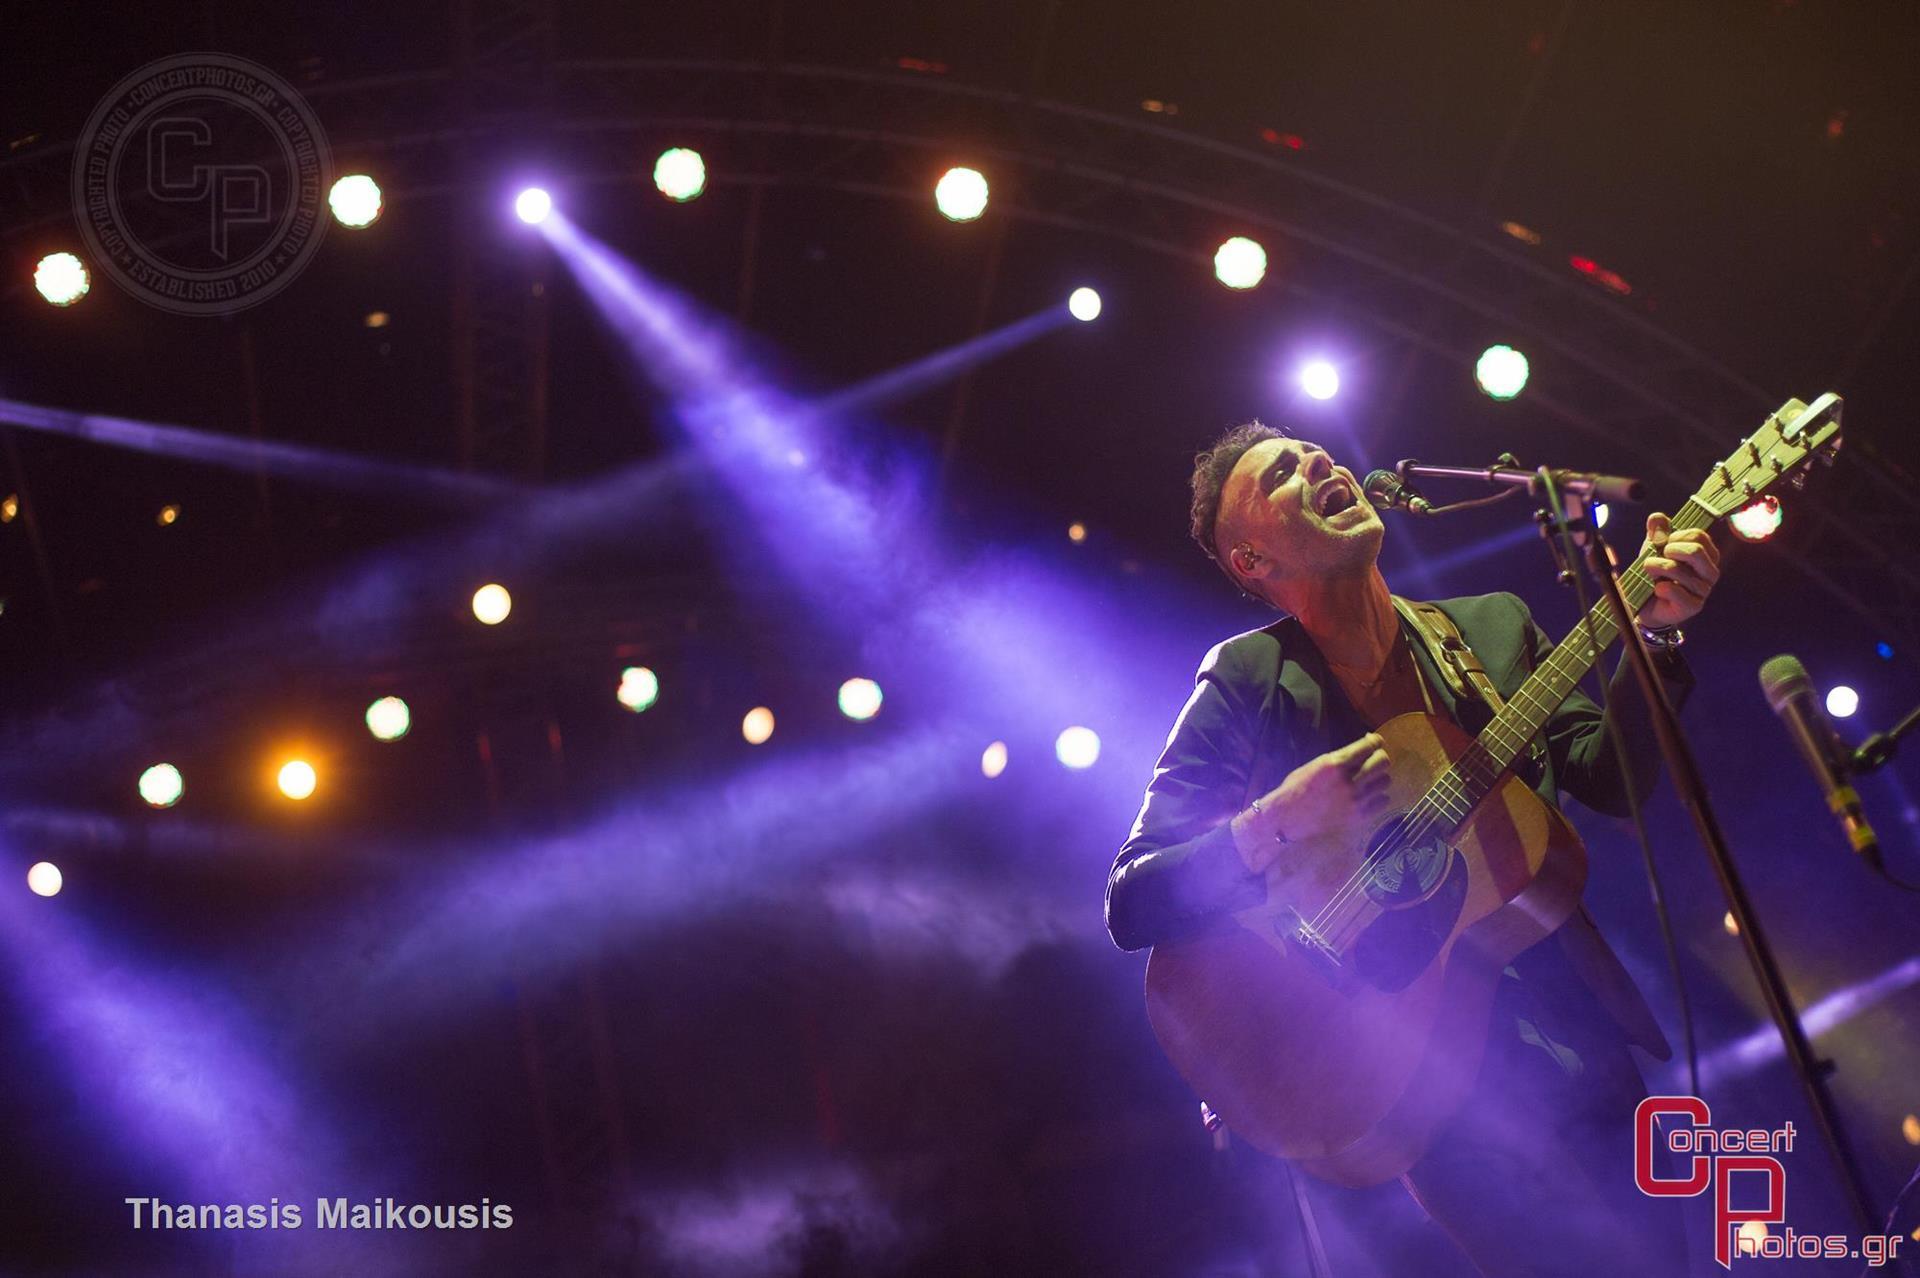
(1343,1021)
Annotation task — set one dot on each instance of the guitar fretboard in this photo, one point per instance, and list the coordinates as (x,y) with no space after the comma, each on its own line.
(1455,792)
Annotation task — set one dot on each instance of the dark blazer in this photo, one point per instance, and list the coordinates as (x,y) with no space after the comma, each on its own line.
(1264,703)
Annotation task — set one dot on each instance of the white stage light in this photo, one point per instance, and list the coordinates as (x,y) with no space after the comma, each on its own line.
(533,205)
(1077,747)
(860,699)
(355,200)
(1240,263)
(639,688)
(62,278)
(491,604)
(680,174)
(389,719)
(961,194)
(1501,372)
(161,785)
(44,879)
(1320,379)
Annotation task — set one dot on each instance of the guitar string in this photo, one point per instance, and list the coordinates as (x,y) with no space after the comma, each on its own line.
(1451,788)
(1691,515)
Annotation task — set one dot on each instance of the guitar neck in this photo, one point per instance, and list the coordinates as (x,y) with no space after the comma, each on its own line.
(1456,791)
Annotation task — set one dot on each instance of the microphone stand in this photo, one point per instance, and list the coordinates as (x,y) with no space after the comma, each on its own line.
(1507,472)
(1566,515)
(1878,748)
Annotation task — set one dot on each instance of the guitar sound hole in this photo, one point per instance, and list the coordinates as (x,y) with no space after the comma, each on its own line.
(1406,873)
(1397,946)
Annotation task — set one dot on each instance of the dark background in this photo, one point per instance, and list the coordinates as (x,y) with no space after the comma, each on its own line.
(842,1005)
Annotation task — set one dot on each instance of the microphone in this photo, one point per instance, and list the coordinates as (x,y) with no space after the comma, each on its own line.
(1389,492)
(1790,693)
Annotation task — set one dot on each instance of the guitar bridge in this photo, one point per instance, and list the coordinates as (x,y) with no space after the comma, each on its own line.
(1319,952)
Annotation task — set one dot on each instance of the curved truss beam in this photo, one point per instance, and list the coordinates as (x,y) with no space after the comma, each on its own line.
(1152,186)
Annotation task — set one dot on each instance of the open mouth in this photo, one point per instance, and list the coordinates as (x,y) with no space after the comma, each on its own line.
(1334,496)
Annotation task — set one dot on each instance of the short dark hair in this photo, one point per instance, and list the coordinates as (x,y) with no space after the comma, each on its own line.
(1210,471)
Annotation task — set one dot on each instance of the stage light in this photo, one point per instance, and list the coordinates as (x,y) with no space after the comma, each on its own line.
(491,604)
(1842,701)
(377,319)
(355,200)
(9,508)
(1754,1234)
(639,688)
(757,726)
(993,760)
(680,174)
(62,278)
(1084,305)
(389,719)
(1910,1128)
(168,515)
(161,785)
(1883,650)
(1731,924)
(1076,532)
(1501,372)
(1757,520)
(44,879)
(860,699)
(1601,514)
(532,205)
(1320,379)
(297,779)
(1077,747)
(961,194)
(1240,263)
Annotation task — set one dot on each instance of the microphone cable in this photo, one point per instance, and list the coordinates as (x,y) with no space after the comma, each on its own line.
(1616,739)
(1876,752)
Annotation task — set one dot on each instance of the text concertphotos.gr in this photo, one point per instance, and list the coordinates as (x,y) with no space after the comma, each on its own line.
(328,1213)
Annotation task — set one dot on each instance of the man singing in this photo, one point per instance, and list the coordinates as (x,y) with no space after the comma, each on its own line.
(1534,1175)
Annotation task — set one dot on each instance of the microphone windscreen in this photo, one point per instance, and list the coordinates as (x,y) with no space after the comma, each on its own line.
(1783,677)
(1379,486)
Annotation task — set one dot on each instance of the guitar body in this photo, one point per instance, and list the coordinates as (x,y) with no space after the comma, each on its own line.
(1346,1051)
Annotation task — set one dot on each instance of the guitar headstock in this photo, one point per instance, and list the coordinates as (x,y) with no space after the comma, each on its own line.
(1786,442)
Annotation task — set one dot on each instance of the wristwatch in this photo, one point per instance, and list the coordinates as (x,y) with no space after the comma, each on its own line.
(1663,640)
